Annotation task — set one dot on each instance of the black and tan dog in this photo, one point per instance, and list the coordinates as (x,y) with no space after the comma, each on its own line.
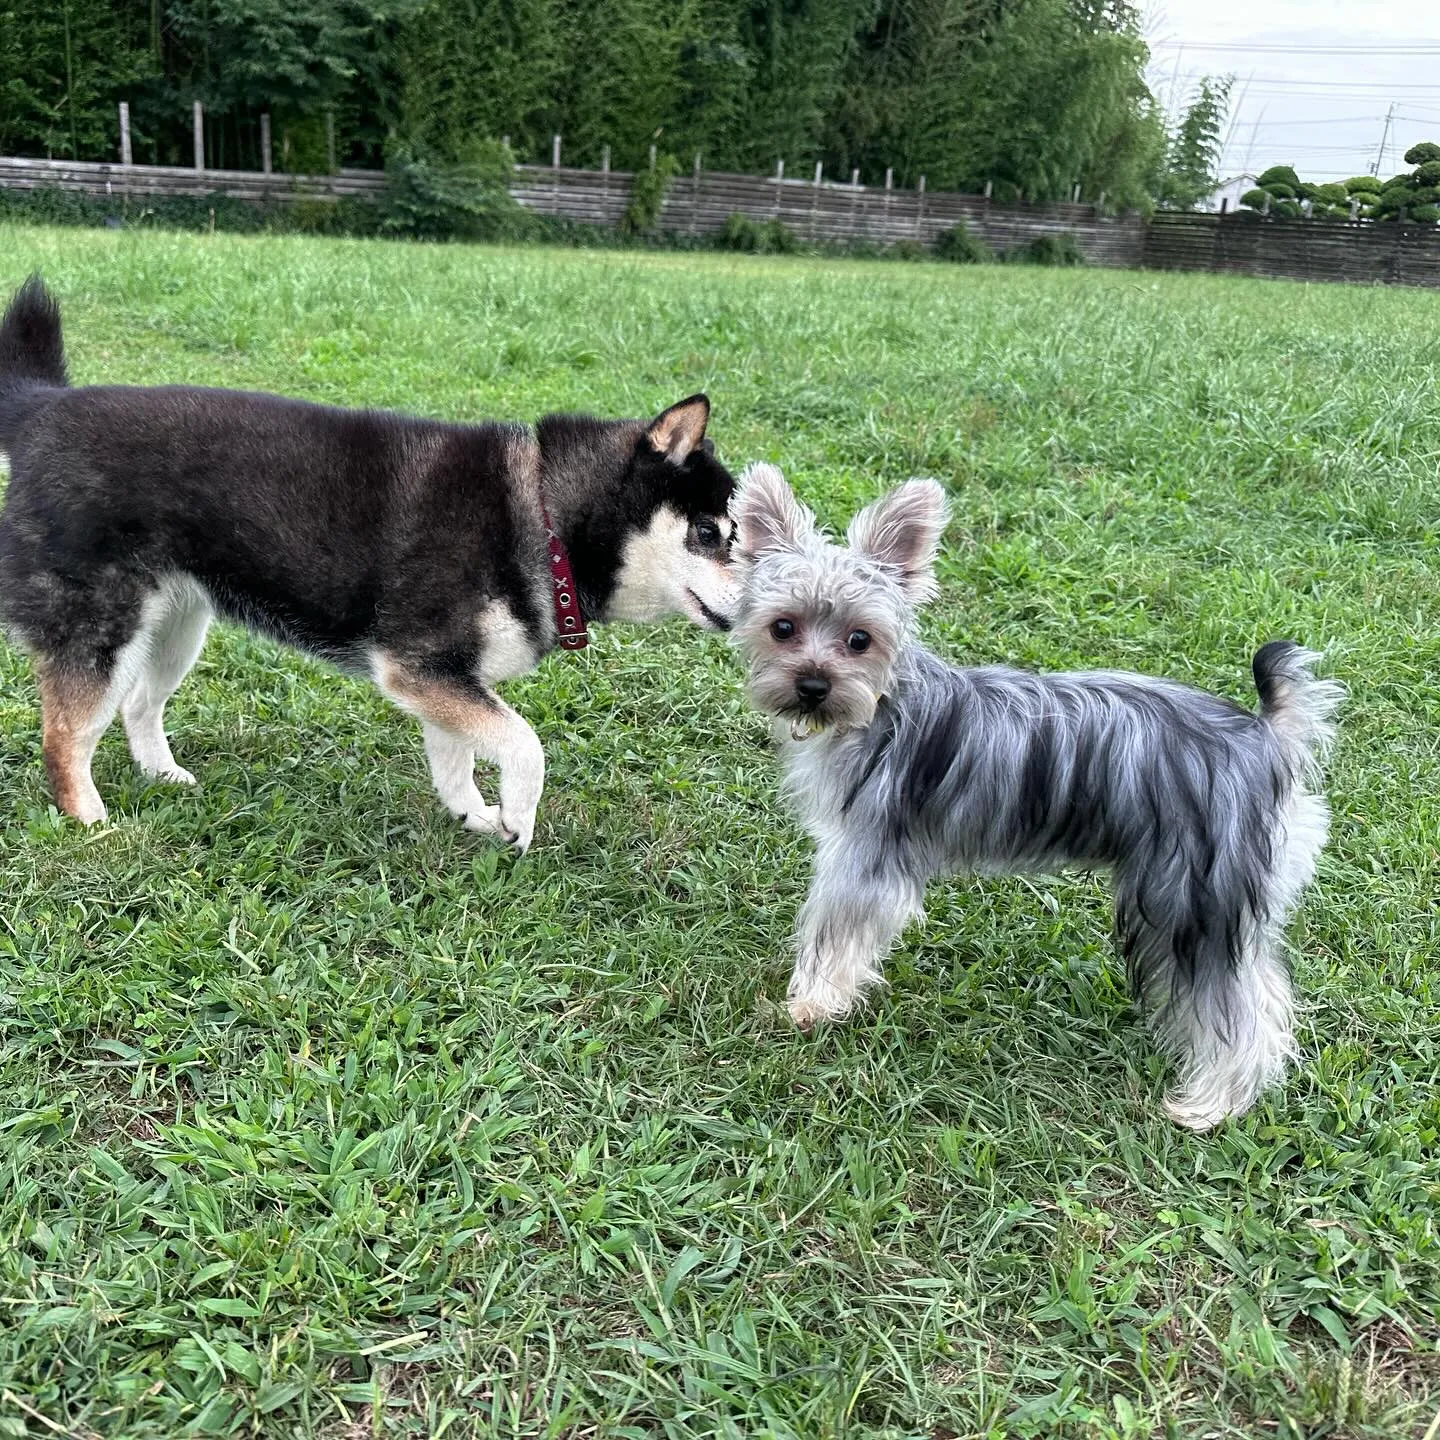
(438,559)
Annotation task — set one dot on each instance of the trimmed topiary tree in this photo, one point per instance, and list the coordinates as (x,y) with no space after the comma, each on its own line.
(1279,175)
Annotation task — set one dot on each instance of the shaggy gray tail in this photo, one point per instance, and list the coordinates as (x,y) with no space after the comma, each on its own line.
(32,354)
(1299,709)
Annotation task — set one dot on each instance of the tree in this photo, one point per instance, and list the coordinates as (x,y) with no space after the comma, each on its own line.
(1192,151)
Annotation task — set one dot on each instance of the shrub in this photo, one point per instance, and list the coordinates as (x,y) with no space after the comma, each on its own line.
(959,246)
(1279,175)
(1281,191)
(1332,193)
(1428,173)
(907,250)
(1396,182)
(1425,214)
(647,196)
(1049,249)
(465,198)
(1255,199)
(756,237)
(1290,209)
(1363,184)
(1423,153)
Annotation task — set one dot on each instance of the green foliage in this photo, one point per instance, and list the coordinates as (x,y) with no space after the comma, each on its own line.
(1428,172)
(1052,248)
(223,213)
(1425,214)
(1255,199)
(1278,190)
(756,237)
(648,189)
(1033,96)
(1423,153)
(326,1118)
(959,246)
(1281,175)
(1192,153)
(1363,184)
(1331,193)
(909,250)
(466,198)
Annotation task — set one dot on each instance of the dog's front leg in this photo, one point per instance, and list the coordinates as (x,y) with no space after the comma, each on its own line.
(848,923)
(461,719)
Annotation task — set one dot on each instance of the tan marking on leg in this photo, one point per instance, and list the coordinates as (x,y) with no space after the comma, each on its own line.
(72,709)
(458,725)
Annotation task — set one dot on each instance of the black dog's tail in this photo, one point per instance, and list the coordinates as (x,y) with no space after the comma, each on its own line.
(32,354)
(1299,709)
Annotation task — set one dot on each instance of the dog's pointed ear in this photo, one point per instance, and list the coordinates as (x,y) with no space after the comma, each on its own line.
(766,513)
(675,432)
(901,531)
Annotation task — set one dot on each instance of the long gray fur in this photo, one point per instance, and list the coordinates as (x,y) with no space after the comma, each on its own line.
(911,768)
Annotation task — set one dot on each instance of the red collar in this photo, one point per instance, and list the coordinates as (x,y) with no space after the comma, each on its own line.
(570,632)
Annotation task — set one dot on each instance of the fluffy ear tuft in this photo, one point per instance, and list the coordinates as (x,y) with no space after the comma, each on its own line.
(901,531)
(766,513)
(675,432)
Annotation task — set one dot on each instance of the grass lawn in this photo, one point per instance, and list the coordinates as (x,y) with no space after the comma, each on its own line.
(320,1116)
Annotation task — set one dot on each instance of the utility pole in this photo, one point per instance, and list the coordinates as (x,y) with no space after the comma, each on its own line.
(1384,137)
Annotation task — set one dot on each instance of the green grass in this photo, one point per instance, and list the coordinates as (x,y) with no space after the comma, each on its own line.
(320,1116)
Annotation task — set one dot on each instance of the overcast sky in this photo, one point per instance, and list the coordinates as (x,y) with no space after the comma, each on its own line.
(1293,104)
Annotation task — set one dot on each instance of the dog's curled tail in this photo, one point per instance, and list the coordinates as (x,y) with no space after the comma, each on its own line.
(1299,709)
(32,353)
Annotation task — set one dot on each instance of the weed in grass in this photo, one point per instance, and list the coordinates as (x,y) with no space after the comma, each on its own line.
(323,1117)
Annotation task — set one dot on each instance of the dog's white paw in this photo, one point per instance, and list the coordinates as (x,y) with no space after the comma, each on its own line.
(808,1011)
(518,833)
(1184,1110)
(484,820)
(173,775)
(89,809)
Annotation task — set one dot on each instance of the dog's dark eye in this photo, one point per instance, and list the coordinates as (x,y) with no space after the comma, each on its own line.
(782,629)
(707,532)
(858,641)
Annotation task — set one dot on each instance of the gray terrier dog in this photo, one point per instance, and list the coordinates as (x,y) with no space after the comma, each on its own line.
(903,767)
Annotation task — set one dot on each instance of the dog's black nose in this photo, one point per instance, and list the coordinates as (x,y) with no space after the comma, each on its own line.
(812,689)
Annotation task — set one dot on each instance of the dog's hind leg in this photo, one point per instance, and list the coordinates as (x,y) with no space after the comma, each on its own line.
(76,707)
(460,720)
(853,914)
(1227,1017)
(174,632)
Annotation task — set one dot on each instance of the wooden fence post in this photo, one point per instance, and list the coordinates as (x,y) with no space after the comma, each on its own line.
(125,133)
(855,176)
(199,131)
(265,156)
(695,197)
(554,152)
(605,161)
(330,141)
(1075,195)
(989,188)
(779,181)
(885,221)
(920,211)
(652,157)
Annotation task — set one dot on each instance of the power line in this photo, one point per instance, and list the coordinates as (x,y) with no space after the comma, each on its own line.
(1428,47)
(1335,86)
